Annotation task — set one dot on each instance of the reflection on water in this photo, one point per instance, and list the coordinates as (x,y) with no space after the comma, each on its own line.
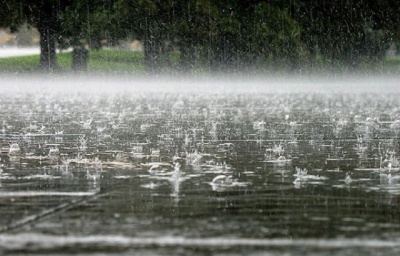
(302,171)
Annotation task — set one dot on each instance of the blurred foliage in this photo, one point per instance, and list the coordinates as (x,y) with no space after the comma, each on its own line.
(223,35)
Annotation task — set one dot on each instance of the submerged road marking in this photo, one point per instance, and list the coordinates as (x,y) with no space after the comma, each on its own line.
(49,212)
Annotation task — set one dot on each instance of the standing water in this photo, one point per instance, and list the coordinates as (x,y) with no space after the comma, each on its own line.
(249,170)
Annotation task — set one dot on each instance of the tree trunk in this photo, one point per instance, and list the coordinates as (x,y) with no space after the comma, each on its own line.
(47,47)
(80,58)
(187,58)
(216,58)
(152,55)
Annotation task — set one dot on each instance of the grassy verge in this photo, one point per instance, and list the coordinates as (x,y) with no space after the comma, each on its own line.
(104,61)
(128,62)
(116,61)
(391,65)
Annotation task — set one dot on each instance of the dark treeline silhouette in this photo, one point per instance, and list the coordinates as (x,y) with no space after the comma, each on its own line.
(223,35)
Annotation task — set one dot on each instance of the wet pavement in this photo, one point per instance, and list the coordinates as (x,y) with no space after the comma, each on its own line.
(179,174)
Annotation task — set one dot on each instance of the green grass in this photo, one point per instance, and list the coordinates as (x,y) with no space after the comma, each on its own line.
(116,61)
(104,61)
(391,65)
(28,63)
(128,62)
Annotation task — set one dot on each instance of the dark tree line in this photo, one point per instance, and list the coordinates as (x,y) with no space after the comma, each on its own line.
(223,35)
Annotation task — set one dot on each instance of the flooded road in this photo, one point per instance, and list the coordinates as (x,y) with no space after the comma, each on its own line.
(213,173)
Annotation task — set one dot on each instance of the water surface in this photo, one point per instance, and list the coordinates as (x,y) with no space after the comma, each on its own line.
(87,176)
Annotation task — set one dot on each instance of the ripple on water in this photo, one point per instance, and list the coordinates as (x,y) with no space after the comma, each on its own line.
(41,242)
(230,135)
